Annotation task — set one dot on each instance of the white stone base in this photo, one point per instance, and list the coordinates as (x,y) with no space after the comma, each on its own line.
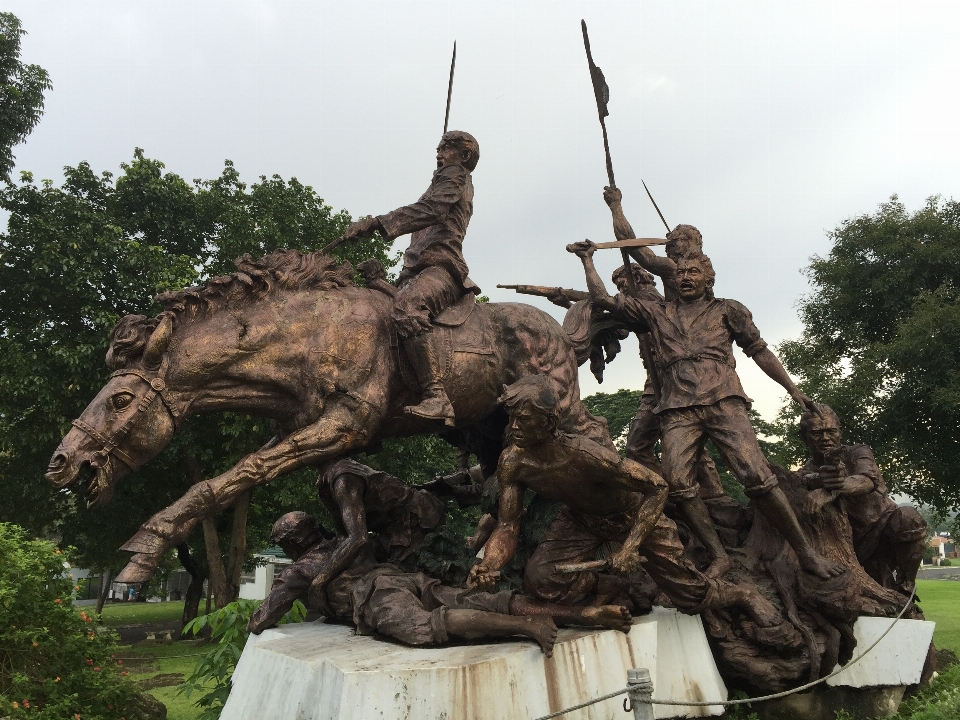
(315,671)
(897,660)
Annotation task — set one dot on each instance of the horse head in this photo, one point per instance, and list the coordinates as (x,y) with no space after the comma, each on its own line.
(136,413)
(130,420)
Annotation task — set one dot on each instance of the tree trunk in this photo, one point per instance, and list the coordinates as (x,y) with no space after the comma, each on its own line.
(218,587)
(105,577)
(194,592)
(238,544)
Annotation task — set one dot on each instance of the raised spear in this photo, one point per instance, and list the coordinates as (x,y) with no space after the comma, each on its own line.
(601,92)
(453,64)
(655,207)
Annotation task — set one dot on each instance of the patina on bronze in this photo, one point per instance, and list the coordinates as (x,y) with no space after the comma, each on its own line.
(434,275)
(411,607)
(889,539)
(290,337)
(702,398)
(607,499)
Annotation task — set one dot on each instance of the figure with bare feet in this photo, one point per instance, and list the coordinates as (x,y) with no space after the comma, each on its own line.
(411,607)
(702,398)
(608,500)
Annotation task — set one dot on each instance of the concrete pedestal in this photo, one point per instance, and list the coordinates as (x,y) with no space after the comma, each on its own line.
(315,671)
(898,658)
(869,688)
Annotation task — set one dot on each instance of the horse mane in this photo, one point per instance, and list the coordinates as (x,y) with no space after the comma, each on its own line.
(254,279)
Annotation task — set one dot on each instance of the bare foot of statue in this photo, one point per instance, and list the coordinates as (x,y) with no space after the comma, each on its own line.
(719,567)
(820,566)
(542,630)
(615,617)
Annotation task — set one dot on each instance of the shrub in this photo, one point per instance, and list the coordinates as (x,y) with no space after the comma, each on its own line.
(55,663)
(228,629)
(945,562)
(939,701)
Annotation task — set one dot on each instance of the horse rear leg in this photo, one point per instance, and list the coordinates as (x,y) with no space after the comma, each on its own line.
(338,432)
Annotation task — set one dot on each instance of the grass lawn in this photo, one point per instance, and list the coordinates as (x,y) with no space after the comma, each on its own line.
(178,657)
(133,613)
(940,602)
(161,659)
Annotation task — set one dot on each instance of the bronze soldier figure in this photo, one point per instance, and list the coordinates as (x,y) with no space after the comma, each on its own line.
(682,241)
(434,274)
(702,398)
(608,499)
(411,607)
(889,539)
(373,508)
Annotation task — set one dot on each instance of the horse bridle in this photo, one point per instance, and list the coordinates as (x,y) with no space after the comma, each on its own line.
(110,445)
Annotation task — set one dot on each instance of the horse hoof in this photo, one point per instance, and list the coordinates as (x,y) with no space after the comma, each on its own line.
(145,541)
(139,570)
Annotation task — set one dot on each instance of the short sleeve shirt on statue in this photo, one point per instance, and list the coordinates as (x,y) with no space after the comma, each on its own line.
(694,346)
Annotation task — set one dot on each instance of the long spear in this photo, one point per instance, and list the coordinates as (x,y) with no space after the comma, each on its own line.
(655,207)
(453,64)
(601,92)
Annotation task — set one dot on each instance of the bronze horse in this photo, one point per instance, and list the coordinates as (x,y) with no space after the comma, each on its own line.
(292,338)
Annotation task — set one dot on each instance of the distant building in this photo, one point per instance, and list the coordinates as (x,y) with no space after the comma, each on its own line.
(256,584)
(944,546)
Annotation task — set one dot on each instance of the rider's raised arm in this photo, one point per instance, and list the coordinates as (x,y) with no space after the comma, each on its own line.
(448,187)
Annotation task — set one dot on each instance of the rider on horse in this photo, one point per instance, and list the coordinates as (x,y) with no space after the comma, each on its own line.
(434,274)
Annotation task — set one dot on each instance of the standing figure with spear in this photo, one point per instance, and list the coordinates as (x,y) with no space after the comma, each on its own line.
(434,274)
(698,394)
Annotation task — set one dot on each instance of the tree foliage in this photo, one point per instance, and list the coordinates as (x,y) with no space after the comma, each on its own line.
(55,663)
(75,259)
(881,344)
(618,408)
(21,92)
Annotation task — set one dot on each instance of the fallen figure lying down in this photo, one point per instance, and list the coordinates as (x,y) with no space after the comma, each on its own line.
(411,607)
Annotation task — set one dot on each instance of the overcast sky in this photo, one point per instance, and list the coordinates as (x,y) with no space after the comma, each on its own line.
(765,123)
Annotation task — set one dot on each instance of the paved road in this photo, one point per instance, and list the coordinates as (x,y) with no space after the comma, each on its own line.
(939,573)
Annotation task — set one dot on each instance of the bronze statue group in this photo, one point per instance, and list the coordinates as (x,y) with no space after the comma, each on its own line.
(778,582)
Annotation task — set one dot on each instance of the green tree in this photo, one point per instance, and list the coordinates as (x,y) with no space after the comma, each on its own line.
(881,344)
(618,408)
(74,260)
(54,662)
(21,92)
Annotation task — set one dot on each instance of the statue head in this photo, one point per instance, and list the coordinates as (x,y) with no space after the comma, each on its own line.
(458,148)
(296,532)
(640,276)
(683,241)
(820,428)
(533,406)
(695,276)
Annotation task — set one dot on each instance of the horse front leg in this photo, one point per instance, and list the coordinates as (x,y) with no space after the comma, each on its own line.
(338,432)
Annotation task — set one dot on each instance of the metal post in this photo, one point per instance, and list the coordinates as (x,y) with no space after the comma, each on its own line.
(640,691)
